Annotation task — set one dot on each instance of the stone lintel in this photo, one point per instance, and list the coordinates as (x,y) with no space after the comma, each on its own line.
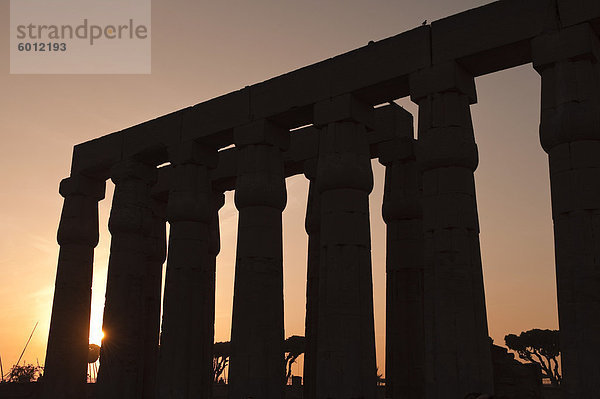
(193,153)
(96,157)
(150,140)
(343,108)
(575,42)
(262,131)
(491,37)
(303,148)
(447,77)
(82,185)
(132,169)
(573,12)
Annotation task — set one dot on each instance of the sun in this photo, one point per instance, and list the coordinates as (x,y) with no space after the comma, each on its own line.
(97,311)
(96,336)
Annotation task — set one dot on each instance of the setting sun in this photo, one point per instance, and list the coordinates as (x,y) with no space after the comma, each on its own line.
(96,336)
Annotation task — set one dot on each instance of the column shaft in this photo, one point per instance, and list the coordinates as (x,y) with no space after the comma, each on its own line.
(458,359)
(188,311)
(405,344)
(65,371)
(346,366)
(568,62)
(257,332)
(122,355)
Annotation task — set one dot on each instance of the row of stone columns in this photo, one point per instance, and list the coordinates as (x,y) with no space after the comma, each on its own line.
(340,356)
(437,342)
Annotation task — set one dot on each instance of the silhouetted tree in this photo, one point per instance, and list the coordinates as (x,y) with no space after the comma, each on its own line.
(540,347)
(380,379)
(220,358)
(294,346)
(25,373)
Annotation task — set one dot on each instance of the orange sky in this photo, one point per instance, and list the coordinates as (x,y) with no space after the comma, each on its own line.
(203,49)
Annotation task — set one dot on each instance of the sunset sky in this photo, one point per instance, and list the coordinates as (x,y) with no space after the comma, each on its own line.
(203,49)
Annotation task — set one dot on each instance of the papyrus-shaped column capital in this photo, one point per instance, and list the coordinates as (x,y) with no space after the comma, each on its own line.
(130,212)
(446,139)
(573,43)
(345,108)
(260,178)
(82,185)
(344,153)
(262,131)
(567,61)
(442,78)
(401,147)
(79,218)
(191,191)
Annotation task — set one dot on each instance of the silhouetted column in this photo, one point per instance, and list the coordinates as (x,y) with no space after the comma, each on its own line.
(346,365)
(156,254)
(568,62)
(458,359)
(256,367)
(65,371)
(405,350)
(188,320)
(122,355)
(313,229)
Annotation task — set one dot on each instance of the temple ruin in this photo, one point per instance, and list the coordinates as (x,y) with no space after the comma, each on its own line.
(327,121)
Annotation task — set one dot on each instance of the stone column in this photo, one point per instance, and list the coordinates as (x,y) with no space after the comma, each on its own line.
(256,368)
(188,311)
(346,366)
(313,229)
(405,350)
(568,62)
(121,373)
(65,372)
(458,359)
(156,254)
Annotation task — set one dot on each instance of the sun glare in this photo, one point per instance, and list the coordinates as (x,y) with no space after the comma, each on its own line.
(96,336)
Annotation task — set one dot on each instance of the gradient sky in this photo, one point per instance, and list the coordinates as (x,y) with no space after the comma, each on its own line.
(203,49)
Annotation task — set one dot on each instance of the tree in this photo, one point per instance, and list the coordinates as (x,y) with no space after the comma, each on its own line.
(221,352)
(540,347)
(25,373)
(294,346)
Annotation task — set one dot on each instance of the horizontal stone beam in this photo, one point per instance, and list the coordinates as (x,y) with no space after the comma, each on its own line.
(483,40)
(573,12)
(492,37)
(391,121)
